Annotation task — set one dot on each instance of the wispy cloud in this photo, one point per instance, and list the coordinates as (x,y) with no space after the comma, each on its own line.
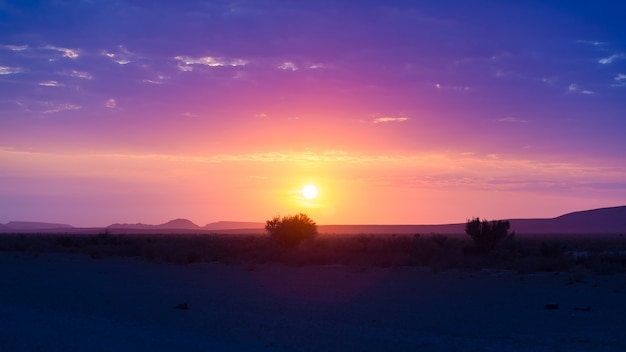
(54,108)
(573,88)
(160,79)
(453,88)
(50,84)
(288,66)
(69,53)
(111,104)
(591,42)
(390,119)
(620,80)
(296,157)
(81,74)
(121,56)
(4,70)
(190,114)
(469,171)
(610,59)
(15,47)
(185,62)
(511,119)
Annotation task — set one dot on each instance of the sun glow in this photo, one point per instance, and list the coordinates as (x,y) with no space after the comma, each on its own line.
(309,192)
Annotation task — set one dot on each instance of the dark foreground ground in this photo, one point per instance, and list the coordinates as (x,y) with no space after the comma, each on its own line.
(73,302)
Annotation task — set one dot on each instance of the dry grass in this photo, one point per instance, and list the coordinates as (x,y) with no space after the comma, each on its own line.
(593,254)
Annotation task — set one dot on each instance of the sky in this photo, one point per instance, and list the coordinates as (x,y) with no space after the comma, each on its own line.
(400,112)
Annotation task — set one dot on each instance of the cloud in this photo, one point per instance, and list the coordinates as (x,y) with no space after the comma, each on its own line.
(81,74)
(53,108)
(261,115)
(189,114)
(298,157)
(4,70)
(511,119)
(546,80)
(590,42)
(185,68)
(610,59)
(15,47)
(288,66)
(111,103)
(390,119)
(620,80)
(185,62)
(158,80)
(116,59)
(573,88)
(454,88)
(50,84)
(122,57)
(69,53)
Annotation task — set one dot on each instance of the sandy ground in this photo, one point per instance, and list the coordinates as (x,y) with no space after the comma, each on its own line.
(74,303)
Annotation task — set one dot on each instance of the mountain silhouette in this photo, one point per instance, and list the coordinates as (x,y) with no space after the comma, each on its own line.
(32,226)
(177,224)
(595,221)
(610,220)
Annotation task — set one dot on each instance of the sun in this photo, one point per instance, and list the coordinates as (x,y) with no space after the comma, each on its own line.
(309,192)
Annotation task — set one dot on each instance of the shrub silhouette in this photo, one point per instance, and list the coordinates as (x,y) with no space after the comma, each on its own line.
(291,230)
(486,235)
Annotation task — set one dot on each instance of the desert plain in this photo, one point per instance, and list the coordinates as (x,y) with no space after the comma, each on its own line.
(80,294)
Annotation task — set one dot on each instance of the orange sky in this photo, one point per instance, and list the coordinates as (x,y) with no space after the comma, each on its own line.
(354,187)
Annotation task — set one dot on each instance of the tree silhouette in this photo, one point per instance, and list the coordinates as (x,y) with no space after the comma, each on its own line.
(486,235)
(291,230)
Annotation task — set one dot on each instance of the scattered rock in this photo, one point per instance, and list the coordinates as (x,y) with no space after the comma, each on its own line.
(551,306)
(183,306)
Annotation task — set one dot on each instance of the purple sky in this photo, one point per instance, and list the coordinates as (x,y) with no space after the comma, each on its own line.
(399,111)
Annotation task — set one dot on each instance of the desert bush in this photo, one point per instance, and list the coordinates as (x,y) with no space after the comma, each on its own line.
(291,230)
(487,234)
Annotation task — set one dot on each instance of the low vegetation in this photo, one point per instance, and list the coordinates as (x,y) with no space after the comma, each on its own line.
(579,256)
(293,240)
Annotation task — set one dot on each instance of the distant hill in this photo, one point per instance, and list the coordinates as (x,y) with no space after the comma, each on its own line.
(177,224)
(603,220)
(596,221)
(34,226)
(184,225)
